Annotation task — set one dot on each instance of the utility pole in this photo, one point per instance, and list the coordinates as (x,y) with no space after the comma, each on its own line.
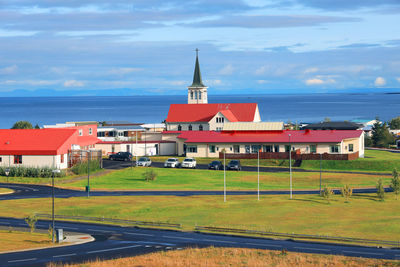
(290,166)
(224,178)
(320,172)
(258,175)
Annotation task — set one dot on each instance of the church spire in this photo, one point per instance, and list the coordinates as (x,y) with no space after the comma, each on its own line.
(197,82)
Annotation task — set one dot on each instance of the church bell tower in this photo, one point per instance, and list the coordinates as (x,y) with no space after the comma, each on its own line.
(197,92)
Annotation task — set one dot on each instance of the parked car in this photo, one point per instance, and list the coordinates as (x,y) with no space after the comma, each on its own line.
(216,165)
(144,161)
(172,163)
(189,163)
(234,165)
(125,156)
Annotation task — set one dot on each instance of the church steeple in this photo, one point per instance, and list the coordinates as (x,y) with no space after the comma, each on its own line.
(197,82)
(197,92)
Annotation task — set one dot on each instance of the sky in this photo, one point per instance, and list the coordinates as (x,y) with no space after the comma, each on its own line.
(143,47)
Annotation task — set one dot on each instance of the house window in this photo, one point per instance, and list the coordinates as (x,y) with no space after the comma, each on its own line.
(222,120)
(334,149)
(212,149)
(62,158)
(268,148)
(113,148)
(247,149)
(128,148)
(236,149)
(351,147)
(80,132)
(190,127)
(179,127)
(200,127)
(17,159)
(192,149)
(217,119)
(287,148)
(218,129)
(0,159)
(90,131)
(230,148)
(120,133)
(255,148)
(313,149)
(191,95)
(276,148)
(199,95)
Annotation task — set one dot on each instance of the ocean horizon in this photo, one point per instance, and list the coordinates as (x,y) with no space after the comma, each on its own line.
(301,108)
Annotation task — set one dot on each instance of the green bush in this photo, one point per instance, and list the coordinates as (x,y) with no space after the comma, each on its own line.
(82,168)
(34,172)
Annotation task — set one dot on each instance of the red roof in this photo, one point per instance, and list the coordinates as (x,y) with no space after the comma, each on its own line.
(50,141)
(205,112)
(300,136)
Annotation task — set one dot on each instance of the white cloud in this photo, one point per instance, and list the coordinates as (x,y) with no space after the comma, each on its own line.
(380,81)
(123,71)
(227,70)
(9,70)
(212,82)
(311,70)
(177,83)
(73,83)
(28,82)
(261,70)
(263,81)
(398,79)
(319,80)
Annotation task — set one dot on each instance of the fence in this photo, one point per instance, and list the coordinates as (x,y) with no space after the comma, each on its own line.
(78,156)
(295,156)
(301,236)
(120,221)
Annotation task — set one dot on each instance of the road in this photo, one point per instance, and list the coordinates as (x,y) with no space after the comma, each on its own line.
(22,191)
(117,165)
(117,241)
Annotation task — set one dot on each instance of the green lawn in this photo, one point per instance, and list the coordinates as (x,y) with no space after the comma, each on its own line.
(364,216)
(184,179)
(374,161)
(5,191)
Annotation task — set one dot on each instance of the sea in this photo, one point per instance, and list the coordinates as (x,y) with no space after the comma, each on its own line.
(300,108)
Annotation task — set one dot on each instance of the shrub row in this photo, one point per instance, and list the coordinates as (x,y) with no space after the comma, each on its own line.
(35,172)
(82,168)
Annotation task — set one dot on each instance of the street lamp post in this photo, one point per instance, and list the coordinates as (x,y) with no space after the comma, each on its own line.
(224,177)
(320,172)
(7,171)
(290,166)
(88,172)
(258,175)
(52,210)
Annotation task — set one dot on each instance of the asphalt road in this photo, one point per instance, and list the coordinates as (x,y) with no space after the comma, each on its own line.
(117,165)
(22,191)
(116,241)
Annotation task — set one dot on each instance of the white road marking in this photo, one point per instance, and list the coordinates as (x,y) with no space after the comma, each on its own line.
(31,259)
(177,237)
(147,246)
(101,231)
(358,252)
(158,246)
(65,255)
(321,249)
(111,249)
(168,248)
(130,233)
(70,228)
(265,245)
(4,223)
(211,240)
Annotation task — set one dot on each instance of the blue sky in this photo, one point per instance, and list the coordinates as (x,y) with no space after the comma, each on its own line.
(147,46)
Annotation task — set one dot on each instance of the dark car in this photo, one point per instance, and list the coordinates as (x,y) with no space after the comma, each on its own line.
(234,165)
(125,156)
(216,165)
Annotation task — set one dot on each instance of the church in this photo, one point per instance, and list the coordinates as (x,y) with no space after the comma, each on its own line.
(199,115)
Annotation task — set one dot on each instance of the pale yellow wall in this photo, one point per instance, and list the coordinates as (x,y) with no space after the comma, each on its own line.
(185,126)
(151,136)
(36,161)
(195,100)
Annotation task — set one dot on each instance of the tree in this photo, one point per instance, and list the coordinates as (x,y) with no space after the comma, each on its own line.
(347,191)
(149,175)
(395,183)
(22,125)
(381,137)
(31,221)
(395,123)
(327,119)
(327,193)
(37,126)
(380,190)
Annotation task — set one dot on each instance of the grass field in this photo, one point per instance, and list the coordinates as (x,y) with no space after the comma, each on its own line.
(15,240)
(362,217)
(184,179)
(235,257)
(5,191)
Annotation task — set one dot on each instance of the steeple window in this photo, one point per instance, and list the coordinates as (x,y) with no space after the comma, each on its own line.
(190,127)
(200,127)
(199,95)
(191,95)
(179,127)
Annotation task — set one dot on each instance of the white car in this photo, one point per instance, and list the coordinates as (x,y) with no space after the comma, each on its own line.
(172,163)
(189,163)
(144,161)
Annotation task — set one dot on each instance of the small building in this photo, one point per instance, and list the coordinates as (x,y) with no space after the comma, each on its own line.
(141,148)
(211,143)
(120,133)
(44,147)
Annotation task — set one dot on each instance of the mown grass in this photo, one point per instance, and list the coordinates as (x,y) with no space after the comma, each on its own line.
(184,179)
(5,191)
(15,240)
(363,217)
(213,256)
(375,161)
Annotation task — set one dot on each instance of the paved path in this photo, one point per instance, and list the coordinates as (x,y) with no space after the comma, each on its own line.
(117,241)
